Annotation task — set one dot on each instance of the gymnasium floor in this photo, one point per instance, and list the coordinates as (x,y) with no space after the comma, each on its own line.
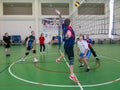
(48,75)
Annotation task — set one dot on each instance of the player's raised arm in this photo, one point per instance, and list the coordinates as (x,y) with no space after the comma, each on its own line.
(60,17)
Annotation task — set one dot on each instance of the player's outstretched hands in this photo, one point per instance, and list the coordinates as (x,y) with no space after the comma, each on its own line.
(58,12)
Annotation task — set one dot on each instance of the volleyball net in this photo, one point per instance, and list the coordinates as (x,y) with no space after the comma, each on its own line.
(99,18)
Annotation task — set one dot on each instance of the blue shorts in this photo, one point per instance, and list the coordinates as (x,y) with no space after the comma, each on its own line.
(87,55)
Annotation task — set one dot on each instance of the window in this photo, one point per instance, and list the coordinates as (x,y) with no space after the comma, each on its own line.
(49,8)
(91,9)
(17,8)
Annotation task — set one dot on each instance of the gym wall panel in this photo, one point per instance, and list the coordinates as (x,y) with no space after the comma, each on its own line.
(15,27)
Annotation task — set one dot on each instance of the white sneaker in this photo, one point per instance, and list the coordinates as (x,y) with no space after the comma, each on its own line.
(35,60)
(73,78)
(58,60)
(40,52)
(44,52)
(22,59)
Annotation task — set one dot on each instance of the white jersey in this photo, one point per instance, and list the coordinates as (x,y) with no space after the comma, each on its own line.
(82,45)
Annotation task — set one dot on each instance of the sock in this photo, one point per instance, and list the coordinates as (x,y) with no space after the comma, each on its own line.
(82,64)
(72,74)
(88,67)
(58,59)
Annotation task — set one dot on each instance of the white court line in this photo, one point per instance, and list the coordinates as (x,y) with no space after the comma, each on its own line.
(113,59)
(37,83)
(54,85)
(81,88)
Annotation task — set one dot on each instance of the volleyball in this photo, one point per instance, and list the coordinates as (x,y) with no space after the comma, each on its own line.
(77,3)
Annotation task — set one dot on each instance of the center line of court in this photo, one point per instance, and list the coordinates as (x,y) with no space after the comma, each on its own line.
(80,86)
(4,69)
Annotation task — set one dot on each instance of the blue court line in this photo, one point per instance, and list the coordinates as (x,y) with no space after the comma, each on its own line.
(4,69)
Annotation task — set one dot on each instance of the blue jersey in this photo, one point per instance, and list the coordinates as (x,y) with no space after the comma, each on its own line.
(89,40)
(68,41)
(31,40)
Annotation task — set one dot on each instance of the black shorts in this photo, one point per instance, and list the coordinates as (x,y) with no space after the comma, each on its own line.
(69,52)
(29,48)
(7,46)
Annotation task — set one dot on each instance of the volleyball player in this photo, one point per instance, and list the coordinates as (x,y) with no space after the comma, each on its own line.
(31,46)
(7,41)
(84,52)
(42,43)
(89,41)
(68,39)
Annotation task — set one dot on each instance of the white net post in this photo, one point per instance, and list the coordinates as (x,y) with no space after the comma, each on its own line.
(111,22)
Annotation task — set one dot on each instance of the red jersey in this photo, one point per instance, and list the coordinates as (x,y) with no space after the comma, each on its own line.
(41,40)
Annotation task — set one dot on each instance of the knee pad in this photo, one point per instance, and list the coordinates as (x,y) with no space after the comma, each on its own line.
(71,61)
(34,51)
(26,53)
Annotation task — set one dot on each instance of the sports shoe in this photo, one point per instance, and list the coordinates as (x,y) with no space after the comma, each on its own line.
(7,55)
(88,70)
(81,66)
(40,52)
(22,59)
(44,52)
(58,60)
(97,59)
(35,60)
(73,78)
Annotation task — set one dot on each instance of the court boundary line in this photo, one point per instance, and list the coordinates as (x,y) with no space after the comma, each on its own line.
(54,85)
(4,69)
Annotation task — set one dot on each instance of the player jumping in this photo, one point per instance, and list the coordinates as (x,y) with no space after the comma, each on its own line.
(68,39)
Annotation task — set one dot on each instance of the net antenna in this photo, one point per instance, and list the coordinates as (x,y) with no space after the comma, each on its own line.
(111,22)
